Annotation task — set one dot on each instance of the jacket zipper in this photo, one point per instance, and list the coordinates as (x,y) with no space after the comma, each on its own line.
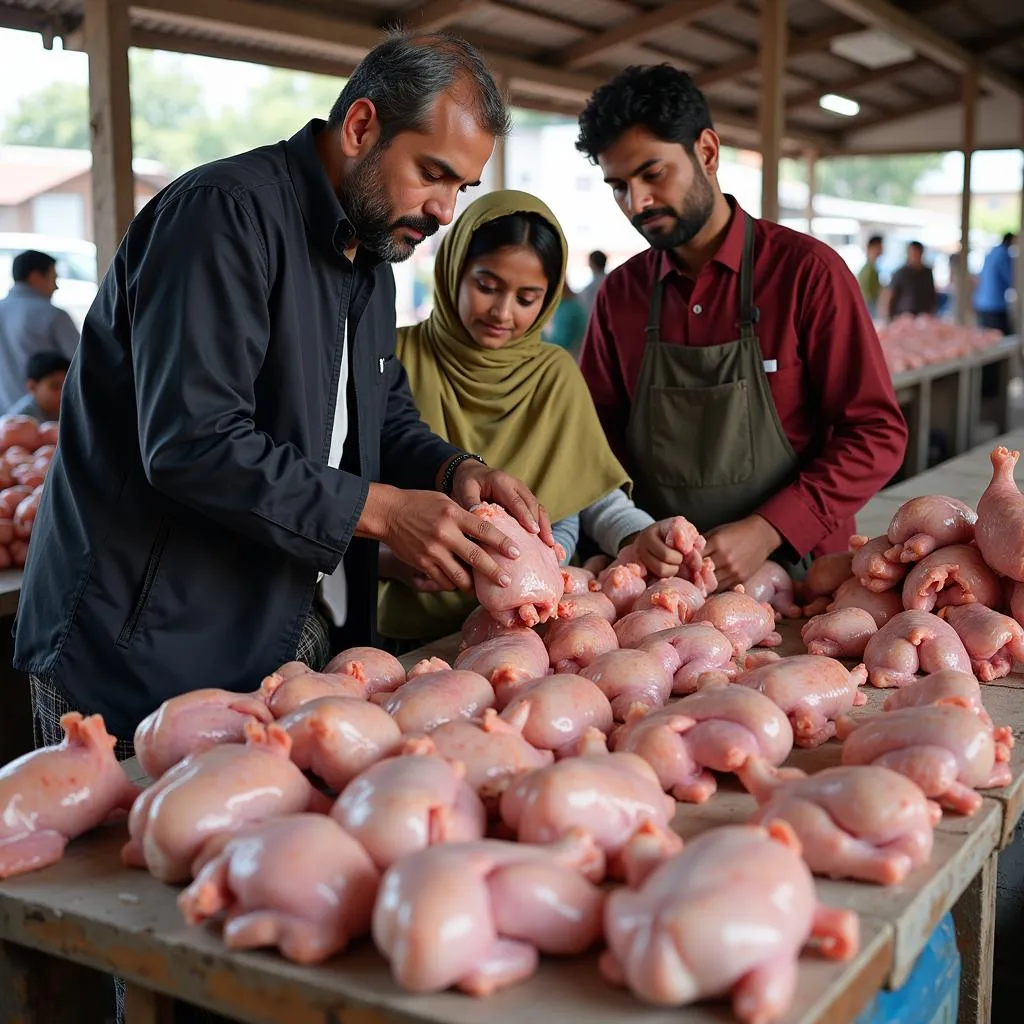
(152,567)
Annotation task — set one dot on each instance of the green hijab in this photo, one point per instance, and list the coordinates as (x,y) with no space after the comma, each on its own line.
(524,408)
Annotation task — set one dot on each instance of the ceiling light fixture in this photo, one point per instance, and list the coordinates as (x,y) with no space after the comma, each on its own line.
(839,105)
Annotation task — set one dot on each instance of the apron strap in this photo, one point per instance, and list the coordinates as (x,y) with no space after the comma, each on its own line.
(653,329)
(749,313)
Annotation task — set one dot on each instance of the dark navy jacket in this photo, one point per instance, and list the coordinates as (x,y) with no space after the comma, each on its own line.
(189,507)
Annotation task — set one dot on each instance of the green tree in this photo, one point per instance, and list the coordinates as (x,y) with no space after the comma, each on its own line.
(873,179)
(53,115)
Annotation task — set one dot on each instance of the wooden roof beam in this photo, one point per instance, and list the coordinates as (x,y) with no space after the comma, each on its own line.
(926,106)
(433,15)
(1007,35)
(852,84)
(881,14)
(674,13)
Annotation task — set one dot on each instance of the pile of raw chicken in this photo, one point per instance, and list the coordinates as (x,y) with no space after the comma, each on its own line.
(26,448)
(910,342)
(518,802)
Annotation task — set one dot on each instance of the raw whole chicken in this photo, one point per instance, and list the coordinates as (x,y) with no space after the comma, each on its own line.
(594,603)
(536,586)
(609,796)
(19,431)
(481,625)
(746,622)
(922,525)
(678,596)
(406,803)
(507,660)
(192,722)
(561,710)
(375,669)
(492,750)
(216,790)
(825,576)
(708,923)
(628,678)
(773,584)
(574,643)
(622,585)
(861,822)
(812,690)
(953,575)
(634,627)
(993,640)
(475,915)
(839,634)
(430,700)
(687,652)
(294,685)
(426,666)
(680,534)
(54,794)
(945,748)
(999,532)
(299,882)
(576,581)
(872,568)
(336,738)
(913,642)
(715,729)
(882,607)
(1015,600)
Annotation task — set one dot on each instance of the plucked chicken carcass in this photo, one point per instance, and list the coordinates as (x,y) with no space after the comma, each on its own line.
(622,585)
(561,710)
(299,882)
(192,722)
(687,652)
(861,822)
(336,738)
(629,677)
(881,607)
(945,748)
(481,625)
(872,568)
(217,790)
(681,536)
(431,699)
(427,666)
(825,576)
(576,581)
(375,669)
(773,584)
(609,796)
(492,750)
(746,622)
(999,532)
(953,575)
(709,923)
(536,586)
(925,524)
(675,595)
(993,640)
(912,642)
(53,794)
(715,729)
(506,660)
(293,685)
(594,603)
(406,803)
(839,634)
(475,915)
(634,627)
(812,690)
(574,643)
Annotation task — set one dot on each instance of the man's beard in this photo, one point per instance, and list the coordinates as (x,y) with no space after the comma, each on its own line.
(369,211)
(696,212)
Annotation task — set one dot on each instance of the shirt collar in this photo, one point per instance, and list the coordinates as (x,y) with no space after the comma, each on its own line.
(730,252)
(25,291)
(325,217)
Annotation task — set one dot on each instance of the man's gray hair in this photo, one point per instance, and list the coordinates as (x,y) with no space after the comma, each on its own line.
(404,75)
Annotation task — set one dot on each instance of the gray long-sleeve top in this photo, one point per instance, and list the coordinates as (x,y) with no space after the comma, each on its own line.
(609,521)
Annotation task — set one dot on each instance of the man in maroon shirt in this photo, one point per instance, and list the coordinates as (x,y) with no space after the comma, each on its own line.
(734,365)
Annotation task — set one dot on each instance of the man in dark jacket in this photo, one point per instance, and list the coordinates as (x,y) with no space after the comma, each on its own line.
(235,425)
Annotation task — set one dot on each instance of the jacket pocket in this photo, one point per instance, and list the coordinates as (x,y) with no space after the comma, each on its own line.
(148,579)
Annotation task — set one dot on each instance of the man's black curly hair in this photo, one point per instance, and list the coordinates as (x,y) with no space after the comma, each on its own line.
(657,97)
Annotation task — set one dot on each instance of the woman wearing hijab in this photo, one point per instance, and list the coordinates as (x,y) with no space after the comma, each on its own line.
(483,378)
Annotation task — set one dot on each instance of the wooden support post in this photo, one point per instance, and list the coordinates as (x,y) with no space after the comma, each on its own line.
(772,57)
(107,34)
(975,918)
(812,168)
(963,282)
(498,164)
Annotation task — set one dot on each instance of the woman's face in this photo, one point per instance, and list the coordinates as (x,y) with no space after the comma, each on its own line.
(501,295)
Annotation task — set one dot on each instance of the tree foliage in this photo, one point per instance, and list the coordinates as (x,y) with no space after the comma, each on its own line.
(875,179)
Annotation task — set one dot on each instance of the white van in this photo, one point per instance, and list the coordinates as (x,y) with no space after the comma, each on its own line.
(76,268)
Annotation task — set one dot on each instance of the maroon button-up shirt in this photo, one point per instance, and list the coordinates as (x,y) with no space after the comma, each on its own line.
(831,386)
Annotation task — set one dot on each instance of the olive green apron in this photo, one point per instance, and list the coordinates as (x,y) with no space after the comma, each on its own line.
(704,439)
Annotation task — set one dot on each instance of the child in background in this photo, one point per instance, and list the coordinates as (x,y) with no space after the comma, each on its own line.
(45,372)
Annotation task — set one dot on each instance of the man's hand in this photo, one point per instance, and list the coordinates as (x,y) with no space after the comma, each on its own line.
(432,534)
(475,483)
(740,549)
(391,567)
